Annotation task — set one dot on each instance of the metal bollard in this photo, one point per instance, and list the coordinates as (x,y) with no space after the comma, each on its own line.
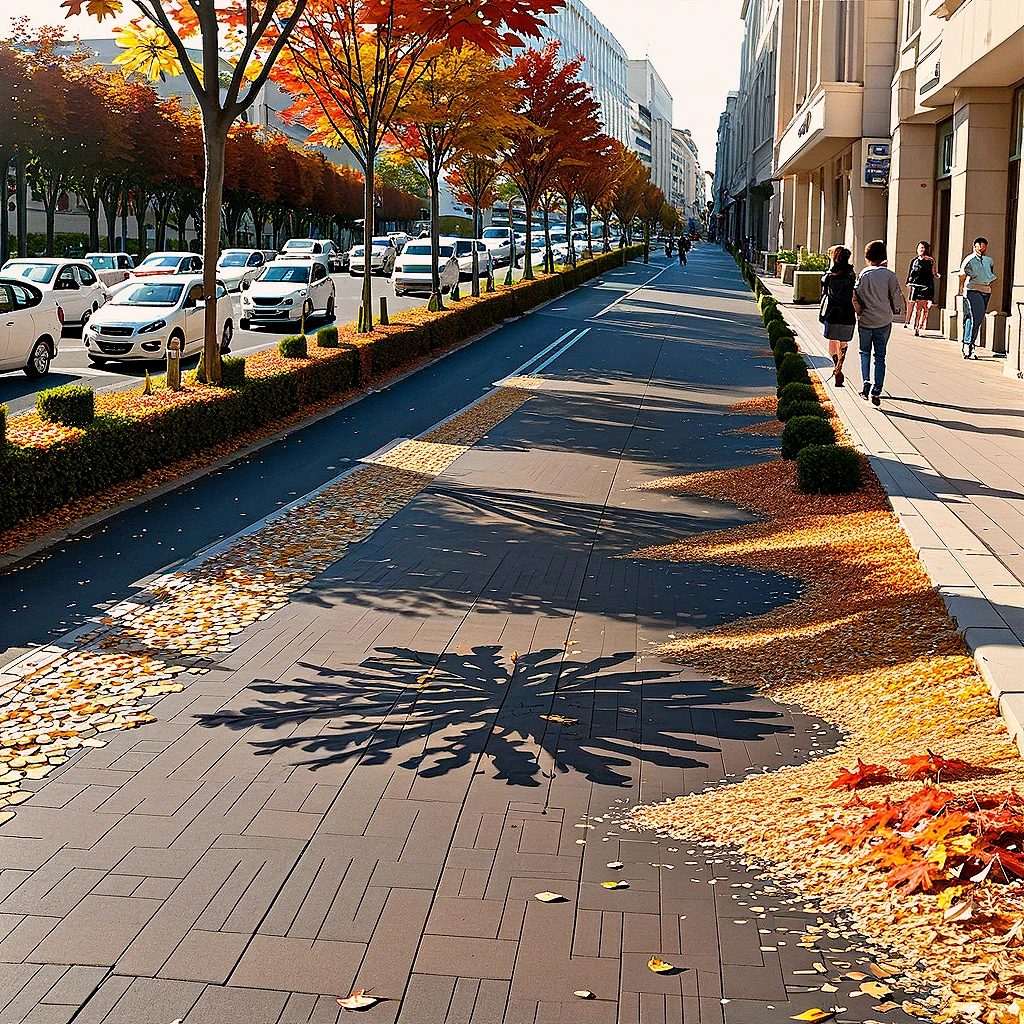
(174,365)
(384,310)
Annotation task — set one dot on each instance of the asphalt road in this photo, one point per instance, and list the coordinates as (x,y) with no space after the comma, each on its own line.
(59,589)
(72,364)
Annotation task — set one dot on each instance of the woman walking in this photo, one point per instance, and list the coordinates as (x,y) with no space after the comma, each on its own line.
(921,288)
(837,312)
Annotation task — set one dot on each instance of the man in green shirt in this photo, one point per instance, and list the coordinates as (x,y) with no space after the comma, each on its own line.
(977,272)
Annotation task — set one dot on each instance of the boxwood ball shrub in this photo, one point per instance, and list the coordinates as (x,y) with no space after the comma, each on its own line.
(827,469)
(74,405)
(800,431)
(232,370)
(782,348)
(293,347)
(787,410)
(327,337)
(778,328)
(792,368)
(797,392)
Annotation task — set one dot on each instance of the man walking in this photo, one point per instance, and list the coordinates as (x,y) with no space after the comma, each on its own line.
(877,298)
(978,272)
(683,246)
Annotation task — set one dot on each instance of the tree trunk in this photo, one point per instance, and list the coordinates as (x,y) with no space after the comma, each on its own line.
(590,232)
(570,214)
(215,140)
(549,256)
(21,203)
(50,206)
(141,206)
(93,203)
(528,255)
(110,216)
(368,209)
(436,302)
(476,255)
(647,241)
(124,220)
(5,217)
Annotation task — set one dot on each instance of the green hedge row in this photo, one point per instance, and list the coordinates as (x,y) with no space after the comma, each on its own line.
(112,449)
(823,467)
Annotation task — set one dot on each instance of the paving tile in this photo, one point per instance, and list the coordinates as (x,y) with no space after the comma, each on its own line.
(297,965)
(75,986)
(466,957)
(466,917)
(205,956)
(237,1006)
(97,931)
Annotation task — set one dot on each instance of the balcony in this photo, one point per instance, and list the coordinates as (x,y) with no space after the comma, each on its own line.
(828,121)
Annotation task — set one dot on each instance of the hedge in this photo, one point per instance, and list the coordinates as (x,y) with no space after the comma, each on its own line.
(787,410)
(3,423)
(74,405)
(232,371)
(327,337)
(800,431)
(293,347)
(827,469)
(792,368)
(782,348)
(797,392)
(38,477)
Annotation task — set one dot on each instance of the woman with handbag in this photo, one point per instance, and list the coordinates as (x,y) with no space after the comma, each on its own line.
(921,287)
(837,312)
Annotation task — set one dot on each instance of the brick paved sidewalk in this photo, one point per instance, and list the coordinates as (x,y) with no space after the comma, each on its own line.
(370,789)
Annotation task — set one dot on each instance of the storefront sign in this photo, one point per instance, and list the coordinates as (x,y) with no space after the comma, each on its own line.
(876,158)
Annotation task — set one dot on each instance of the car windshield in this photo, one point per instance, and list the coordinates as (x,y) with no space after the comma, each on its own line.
(382,245)
(161,261)
(287,274)
(149,295)
(301,244)
(101,262)
(463,248)
(41,273)
(495,233)
(233,259)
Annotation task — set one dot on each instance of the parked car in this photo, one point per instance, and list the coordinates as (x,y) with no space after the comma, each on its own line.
(168,263)
(30,324)
(499,243)
(72,283)
(111,267)
(141,319)
(287,289)
(412,271)
(236,266)
(464,254)
(303,247)
(399,239)
(382,257)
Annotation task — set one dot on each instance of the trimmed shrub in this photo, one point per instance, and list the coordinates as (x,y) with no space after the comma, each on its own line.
(293,347)
(766,300)
(800,431)
(787,410)
(778,328)
(797,392)
(232,370)
(792,368)
(3,422)
(74,405)
(827,469)
(327,337)
(782,348)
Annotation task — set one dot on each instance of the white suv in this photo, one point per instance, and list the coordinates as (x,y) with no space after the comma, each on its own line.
(286,290)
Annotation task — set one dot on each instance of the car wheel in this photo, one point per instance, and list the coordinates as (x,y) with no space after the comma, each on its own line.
(244,325)
(225,341)
(39,361)
(87,315)
(353,273)
(97,360)
(330,308)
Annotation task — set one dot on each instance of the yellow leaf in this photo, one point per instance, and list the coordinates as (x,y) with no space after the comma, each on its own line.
(359,1000)
(615,885)
(98,9)
(814,1015)
(560,719)
(659,966)
(549,897)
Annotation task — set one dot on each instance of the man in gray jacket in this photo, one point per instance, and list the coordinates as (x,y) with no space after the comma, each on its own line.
(877,298)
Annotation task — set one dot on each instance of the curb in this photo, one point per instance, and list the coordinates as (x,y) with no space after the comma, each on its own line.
(974,584)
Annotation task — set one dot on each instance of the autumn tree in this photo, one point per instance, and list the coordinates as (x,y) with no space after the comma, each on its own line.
(652,202)
(629,189)
(353,64)
(18,115)
(156,44)
(248,175)
(596,183)
(558,116)
(472,182)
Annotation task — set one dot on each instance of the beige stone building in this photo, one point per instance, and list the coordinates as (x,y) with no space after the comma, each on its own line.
(957,128)
(833,97)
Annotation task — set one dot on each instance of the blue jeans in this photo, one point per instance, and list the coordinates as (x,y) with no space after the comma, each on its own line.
(873,340)
(975,304)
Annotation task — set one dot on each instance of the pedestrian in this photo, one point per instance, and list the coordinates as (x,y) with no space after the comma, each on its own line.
(977,272)
(920,287)
(877,298)
(682,252)
(837,312)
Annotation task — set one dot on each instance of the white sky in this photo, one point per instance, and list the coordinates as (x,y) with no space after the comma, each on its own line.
(694,44)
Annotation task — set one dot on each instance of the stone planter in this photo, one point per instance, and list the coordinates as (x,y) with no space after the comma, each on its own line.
(786,271)
(769,259)
(806,287)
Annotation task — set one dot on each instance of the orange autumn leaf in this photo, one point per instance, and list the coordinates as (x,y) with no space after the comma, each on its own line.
(932,765)
(862,775)
(98,9)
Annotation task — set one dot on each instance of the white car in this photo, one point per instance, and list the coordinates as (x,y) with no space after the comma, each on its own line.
(399,240)
(464,254)
(383,254)
(30,324)
(236,266)
(288,289)
(413,272)
(499,244)
(72,283)
(111,267)
(158,263)
(141,319)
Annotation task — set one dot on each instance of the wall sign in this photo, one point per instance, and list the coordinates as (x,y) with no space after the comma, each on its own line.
(876,160)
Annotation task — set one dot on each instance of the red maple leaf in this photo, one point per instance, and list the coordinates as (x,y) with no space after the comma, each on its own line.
(932,765)
(916,875)
(862,775)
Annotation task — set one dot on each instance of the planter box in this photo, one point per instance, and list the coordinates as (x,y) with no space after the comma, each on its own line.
(786,271)
(768,260)
(806,287)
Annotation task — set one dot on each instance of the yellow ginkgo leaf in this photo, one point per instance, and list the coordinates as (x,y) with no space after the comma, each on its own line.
(147,51)
(659,966)
(560,719)
(615,885)
(98,9)
(814,1015)
(549,897)
(359,1000)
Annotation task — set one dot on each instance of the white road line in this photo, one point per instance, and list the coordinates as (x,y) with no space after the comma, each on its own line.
(565,348)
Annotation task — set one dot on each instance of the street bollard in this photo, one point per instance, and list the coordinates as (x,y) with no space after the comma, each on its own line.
(384,310)
(174,364)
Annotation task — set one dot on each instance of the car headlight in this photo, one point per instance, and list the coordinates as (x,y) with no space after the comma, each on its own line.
(287,302)
(149,328)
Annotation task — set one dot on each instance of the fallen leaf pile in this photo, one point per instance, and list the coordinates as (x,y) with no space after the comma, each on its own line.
(869,647)
(65,696)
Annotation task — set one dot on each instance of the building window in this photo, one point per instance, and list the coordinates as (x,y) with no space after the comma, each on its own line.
(1017,126)
(911,17)
(944,149)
